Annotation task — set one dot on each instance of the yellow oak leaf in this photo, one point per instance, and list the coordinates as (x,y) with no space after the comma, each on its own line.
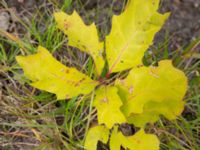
(108,105)
(151,91)
(132,33)
(95,134)
(152,111)
(46,73)
(139,141)
(81,36)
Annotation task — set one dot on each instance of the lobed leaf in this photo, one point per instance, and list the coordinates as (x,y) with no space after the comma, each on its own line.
(81,36)
(132,33)
(152,111)
(46,73)
(148,92)
(95,134)
(139,141)
(108,105)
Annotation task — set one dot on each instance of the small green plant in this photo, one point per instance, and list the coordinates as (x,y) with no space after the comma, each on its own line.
(139,98)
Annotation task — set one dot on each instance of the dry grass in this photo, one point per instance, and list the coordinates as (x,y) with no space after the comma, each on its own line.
(32,119)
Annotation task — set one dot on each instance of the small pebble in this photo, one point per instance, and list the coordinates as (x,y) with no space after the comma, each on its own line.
(4,20)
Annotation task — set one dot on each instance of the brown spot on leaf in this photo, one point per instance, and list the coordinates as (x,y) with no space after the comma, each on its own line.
(131,90)
(79,82)
(138,141)
(66,24)
(67,71)
(139,66)
(82,79)
(76,84)
(104,100)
